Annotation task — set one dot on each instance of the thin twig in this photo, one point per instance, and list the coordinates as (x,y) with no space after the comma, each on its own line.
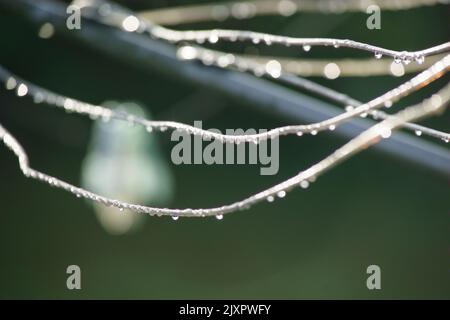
(117,16)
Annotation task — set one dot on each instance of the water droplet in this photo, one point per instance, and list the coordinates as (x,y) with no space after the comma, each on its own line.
(200,40)
(304,184)
(38,97)
(270,199)
(386,133)
(336,45)
(163,129)
(378,55)
(269,42)
(332,127)
(314,132)
(418,133)
(175,218)
(445,140)
(407,60)
(219,217)
(22,90)
(121,209)
(299,133)
(349,108)
(332,71)
(363,115)
(306,48)
(46,31)
(11,83)
(130,24)
(388,104)
(420,59)
(213,38)
(281,194)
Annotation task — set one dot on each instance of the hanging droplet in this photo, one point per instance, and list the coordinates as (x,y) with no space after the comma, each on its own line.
(38,97)
(407,60)
(130,24)
(281,194)
(270,199)
(314,132)
(121,209)
(175,218)
(378,55)
(418,133)
(219,216)
(385,134)
(299,133)
(363,115)
(420,59)
(11,83)
(306,48)
(200,40)
(269,42)
(213,38)
(332,127)
(388,104)
(22,90)
(163,129)
(304,184)
(149,129)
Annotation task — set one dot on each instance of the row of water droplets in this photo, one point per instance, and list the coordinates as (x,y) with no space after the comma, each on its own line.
(38,95)
(131,23)
(22,90)
(71,105)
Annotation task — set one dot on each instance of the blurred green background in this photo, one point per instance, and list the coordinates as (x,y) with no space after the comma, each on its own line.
(315,243)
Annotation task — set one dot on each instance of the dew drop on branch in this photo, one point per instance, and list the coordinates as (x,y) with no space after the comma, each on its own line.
(304,184)
(281,194)
(420,59)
